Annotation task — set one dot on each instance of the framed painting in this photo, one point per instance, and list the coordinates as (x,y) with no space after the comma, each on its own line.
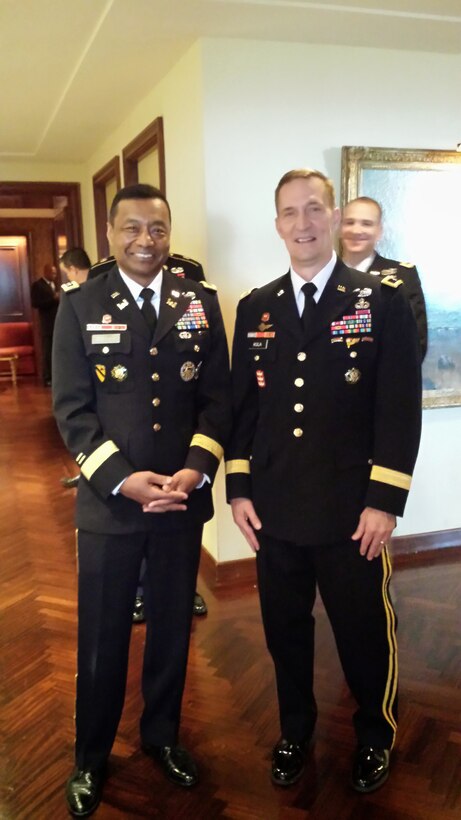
(420,194)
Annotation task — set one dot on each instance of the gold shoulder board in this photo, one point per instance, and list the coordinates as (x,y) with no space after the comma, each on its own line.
(406,265)
(391,281)
(246,293)
(208,285)
(69,286)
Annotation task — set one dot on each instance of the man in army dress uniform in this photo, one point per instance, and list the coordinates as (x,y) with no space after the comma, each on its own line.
(327,416)
(361,230)
(183,267)
(140,372)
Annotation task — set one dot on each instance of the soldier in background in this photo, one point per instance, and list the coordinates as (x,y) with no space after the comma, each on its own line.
(75,265)
(45,298)
(361,229)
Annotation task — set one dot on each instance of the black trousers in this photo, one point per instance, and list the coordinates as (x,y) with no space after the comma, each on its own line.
(109,567)
(355,593)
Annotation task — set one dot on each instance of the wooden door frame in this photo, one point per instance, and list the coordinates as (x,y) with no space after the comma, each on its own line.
(71,190)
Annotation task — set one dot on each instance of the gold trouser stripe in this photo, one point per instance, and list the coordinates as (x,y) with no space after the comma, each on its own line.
(207,443)
(96,459)
(392,677)
(393,477)
(238,465)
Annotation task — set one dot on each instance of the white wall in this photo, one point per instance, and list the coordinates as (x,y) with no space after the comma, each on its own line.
(269,107)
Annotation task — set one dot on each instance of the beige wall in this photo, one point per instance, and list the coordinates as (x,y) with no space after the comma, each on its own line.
(178,99)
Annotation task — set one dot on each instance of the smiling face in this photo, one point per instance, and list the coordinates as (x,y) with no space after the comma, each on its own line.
(361,229)
(139,236)
(306,221)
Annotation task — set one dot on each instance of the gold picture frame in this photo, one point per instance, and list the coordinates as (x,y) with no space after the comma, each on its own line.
(420,193)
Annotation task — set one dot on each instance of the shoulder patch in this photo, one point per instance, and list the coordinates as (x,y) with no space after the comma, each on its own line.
(208,285)
(391,281)
(68,287)
(406,264)
(246,293)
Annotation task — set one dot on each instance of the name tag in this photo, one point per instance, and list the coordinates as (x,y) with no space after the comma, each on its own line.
(259,345)
(105,338)
(106,328)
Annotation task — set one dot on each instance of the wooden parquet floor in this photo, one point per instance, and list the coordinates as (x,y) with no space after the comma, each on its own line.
(229,714)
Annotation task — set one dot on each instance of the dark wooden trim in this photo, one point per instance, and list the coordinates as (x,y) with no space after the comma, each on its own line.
(228,573)
(71,190)
(426,548)
(407,551)
(151,137)
(109,171)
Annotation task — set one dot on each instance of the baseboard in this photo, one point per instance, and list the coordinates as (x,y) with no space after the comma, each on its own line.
(407,551)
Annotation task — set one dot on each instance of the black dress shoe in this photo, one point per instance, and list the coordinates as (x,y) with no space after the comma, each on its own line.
(176,763)
(287,762)
(370,769)
(70,483)
(83,791)
(200,607)
(138,611)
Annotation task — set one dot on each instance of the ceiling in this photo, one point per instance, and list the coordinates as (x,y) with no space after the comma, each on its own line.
(72,70)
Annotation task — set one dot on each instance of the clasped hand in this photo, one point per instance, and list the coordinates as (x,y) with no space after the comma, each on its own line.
(160,493)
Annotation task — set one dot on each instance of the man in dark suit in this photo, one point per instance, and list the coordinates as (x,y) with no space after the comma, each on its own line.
(361,230)
(140,383)
(327,415)
(45,298)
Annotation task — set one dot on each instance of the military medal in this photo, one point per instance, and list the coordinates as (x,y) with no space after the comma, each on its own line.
(107,319)
(352,324)
(187,371)
(194,318)
(362,304)
(265,317)
(119,373)
(352,376)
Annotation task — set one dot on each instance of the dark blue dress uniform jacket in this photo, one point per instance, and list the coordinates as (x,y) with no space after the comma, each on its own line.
(327,424)
(126,402)
(413,288)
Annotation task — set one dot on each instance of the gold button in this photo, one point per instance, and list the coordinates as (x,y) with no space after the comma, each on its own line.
(157,427)
(353,354)
(299,382)
(257,358)
(156,402)
(298,432)
(196,348)
(155,377)
(302,356)
(153,351)
(299,408)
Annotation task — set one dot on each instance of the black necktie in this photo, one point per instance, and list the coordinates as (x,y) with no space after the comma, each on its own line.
(148,310)
(309,305)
